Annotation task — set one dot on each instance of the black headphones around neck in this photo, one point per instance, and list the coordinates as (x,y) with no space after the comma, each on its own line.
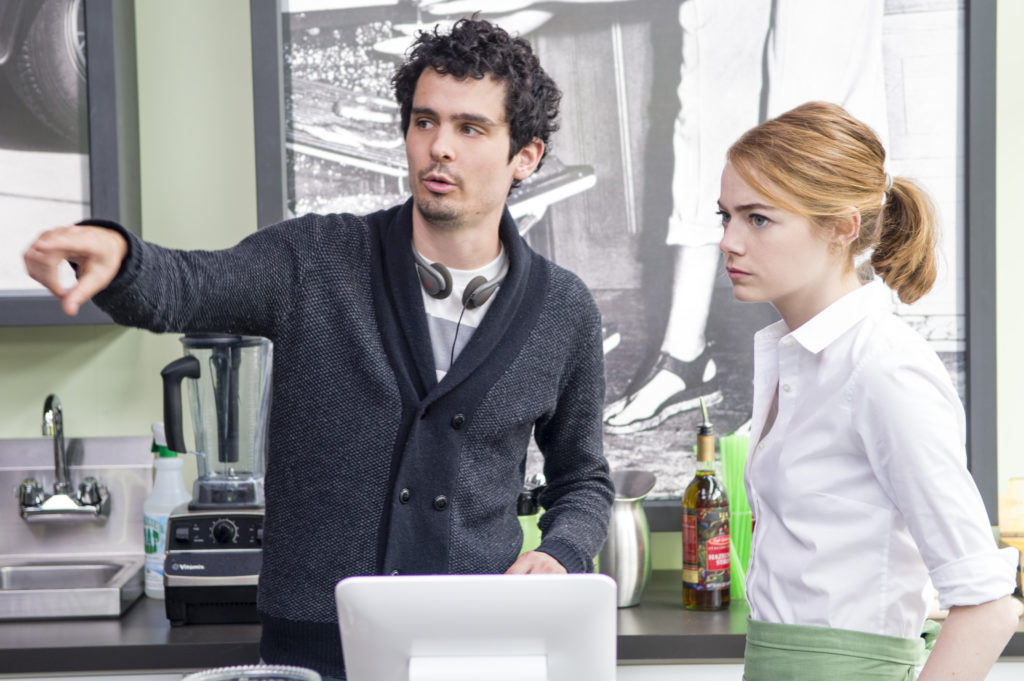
(437,282)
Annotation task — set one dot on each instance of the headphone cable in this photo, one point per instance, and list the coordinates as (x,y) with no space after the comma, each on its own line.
(451,360)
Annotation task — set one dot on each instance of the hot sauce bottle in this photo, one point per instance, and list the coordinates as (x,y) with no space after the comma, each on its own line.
(705,530)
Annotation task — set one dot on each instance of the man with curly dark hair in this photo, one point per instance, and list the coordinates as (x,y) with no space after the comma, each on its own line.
(474,49)
(401,413)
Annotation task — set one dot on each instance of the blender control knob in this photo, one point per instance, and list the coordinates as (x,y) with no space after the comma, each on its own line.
(224,532)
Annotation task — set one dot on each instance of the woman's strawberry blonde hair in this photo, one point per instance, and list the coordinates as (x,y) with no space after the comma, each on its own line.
(819,161)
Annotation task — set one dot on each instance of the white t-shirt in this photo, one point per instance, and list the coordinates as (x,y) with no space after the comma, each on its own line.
(860,489)
(448,336)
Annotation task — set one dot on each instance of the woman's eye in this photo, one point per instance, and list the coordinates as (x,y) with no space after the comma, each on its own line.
(758,220)
(725,216)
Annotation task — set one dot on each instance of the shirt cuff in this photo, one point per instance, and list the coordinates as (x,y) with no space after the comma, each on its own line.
(977,579)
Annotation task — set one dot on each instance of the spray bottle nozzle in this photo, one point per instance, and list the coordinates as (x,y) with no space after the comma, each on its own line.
(160,447)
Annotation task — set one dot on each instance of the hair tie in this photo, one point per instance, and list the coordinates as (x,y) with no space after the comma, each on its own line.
(888,186)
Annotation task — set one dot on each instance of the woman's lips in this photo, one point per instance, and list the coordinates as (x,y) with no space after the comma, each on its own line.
(736,273)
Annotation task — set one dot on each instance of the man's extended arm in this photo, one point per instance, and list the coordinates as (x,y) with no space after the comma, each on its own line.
(247,288)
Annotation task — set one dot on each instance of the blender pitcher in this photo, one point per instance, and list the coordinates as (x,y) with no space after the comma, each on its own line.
(229,390)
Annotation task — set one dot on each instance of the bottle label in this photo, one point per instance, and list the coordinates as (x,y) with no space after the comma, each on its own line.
(706,548)
(156,542)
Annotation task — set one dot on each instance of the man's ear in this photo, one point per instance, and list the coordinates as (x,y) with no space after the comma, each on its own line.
(527,159)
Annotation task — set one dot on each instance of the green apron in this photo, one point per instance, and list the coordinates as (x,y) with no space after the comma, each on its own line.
(793,652)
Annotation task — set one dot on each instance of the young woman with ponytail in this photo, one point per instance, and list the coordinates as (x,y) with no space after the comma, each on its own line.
(856,473)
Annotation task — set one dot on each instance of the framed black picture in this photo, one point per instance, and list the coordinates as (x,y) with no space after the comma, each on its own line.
(648,109)
(68,135)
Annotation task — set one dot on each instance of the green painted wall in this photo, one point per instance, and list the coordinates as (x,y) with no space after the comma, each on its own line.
(1009,238)
(197,179)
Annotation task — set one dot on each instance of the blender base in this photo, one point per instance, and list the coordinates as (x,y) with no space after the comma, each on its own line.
(212,566)
(211,605)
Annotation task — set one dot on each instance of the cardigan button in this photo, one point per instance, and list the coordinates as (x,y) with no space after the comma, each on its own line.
(458,421)
(404,495)
(440,502)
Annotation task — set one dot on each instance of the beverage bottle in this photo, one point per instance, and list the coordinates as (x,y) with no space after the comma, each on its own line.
(705,530)
(529,513)
(529,510)
(168,493)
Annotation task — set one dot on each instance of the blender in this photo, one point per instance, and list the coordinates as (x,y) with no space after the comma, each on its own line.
(214,543)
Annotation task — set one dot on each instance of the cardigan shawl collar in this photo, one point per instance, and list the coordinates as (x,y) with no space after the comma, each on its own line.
(414,532)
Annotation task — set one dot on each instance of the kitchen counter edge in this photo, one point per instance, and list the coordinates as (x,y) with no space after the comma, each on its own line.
(657,631)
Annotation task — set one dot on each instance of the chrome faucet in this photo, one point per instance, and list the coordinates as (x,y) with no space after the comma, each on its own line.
(53,426)
(91,501)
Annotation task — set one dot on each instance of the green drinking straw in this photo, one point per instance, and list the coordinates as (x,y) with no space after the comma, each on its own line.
(733,450)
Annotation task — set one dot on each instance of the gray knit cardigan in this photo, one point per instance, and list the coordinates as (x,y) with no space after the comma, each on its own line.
(358,416)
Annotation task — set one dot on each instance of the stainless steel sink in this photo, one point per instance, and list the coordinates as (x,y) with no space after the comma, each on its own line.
(50,589)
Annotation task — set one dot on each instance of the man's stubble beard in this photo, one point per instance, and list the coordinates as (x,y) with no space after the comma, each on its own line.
(448,218)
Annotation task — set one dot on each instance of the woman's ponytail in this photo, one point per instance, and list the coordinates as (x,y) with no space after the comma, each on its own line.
(904,256)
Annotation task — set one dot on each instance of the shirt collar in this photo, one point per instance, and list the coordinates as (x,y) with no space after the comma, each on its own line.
(832,322)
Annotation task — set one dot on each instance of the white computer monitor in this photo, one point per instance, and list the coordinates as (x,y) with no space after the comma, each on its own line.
(478,627)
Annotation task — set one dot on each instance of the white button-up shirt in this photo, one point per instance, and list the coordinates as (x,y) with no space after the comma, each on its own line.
(860,489)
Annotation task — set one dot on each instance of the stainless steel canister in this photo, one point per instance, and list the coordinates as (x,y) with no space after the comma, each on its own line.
(626,554)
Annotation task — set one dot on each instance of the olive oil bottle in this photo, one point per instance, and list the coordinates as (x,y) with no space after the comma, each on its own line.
(705,530)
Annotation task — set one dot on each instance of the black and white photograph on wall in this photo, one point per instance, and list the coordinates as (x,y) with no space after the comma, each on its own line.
(44,162)
(654,92)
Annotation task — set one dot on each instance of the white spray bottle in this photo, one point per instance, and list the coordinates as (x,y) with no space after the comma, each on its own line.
(168,493)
